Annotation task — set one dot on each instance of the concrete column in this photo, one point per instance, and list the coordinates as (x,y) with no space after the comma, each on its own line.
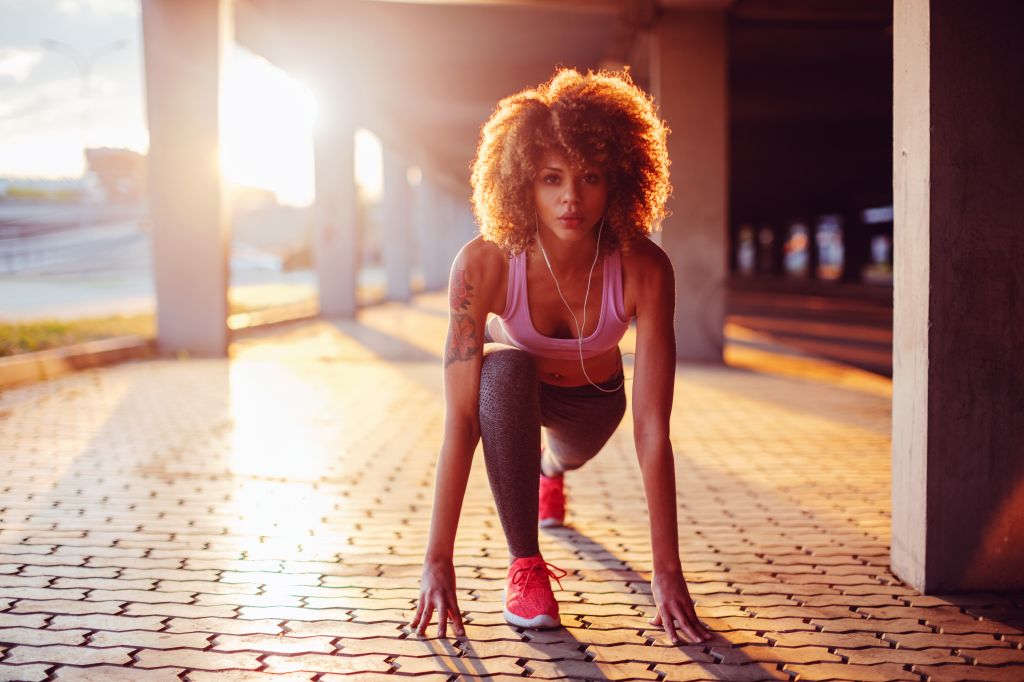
(396,229)
(958,380)
(688,79)
(336,240)
(183,42)
(435,259)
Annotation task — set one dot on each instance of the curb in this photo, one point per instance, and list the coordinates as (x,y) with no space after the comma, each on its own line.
(47,364)
(28,368)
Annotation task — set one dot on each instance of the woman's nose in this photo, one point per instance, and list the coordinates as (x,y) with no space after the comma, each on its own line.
(570,195)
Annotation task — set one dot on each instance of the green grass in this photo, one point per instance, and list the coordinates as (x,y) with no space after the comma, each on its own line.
(29,337)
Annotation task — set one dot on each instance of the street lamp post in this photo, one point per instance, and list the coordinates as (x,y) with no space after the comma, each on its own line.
(84,62)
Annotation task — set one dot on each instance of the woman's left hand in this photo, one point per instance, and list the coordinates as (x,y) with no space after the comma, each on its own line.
(675,608)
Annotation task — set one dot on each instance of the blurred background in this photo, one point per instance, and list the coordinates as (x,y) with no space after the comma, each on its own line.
(808,219)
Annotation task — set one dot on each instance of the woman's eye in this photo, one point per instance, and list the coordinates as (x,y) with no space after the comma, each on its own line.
(551,179)
(593,179)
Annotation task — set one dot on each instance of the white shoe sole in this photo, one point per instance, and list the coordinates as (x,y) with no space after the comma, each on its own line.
(543,621)
(550,523)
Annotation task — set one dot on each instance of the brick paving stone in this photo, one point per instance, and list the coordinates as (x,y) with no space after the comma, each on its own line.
(73,655)
(412,646)
(17,620)
(237,626)
(9,581)
(205,587)
(882,672)
(64,606)
(994,656)
(323,663)
(740,655)
(109,673)
(751,672)
(885,655)
(532,650)
(589,670)
(333,628)
(38,637)
(274,643)
(924,640)
(238,600)
(250,676)
(852,640)
(299,613)
(23,673)
(192,658)
(39,591)
(579,636)
(650,654)
(145,596)
(971,673)
(105,584)
(151,640)
(870,625)
(69,571)
(180,610)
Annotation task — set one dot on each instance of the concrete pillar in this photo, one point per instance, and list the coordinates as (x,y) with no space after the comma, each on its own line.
(183,43)
(336,239)
(434,228)
(688,79)
(396,230)
(958,380)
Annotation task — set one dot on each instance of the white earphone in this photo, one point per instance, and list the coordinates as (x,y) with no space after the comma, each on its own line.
(586,297)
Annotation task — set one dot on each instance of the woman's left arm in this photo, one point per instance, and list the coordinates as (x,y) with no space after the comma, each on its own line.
(653,381)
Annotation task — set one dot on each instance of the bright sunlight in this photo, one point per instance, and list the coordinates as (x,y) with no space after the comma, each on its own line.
(266,129)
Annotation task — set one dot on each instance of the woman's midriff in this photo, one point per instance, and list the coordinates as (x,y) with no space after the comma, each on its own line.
(568,372)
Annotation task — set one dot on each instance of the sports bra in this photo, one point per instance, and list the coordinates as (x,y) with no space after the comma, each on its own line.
(515,328)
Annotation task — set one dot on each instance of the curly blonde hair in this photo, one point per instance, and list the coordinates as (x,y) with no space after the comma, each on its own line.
(601,118)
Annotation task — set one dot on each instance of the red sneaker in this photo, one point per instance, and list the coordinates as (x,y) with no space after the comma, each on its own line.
(551,511)
(529,601)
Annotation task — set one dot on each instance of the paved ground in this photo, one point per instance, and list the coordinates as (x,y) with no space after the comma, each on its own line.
(265,517)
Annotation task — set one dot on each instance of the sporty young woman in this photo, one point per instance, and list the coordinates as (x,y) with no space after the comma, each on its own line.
(569,180)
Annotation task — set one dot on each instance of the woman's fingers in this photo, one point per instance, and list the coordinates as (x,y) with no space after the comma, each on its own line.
(668,623)
(428,610)
(687,624)
(442,618)
(456,616)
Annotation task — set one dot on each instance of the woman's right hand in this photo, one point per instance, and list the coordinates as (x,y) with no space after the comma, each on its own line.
(437,592)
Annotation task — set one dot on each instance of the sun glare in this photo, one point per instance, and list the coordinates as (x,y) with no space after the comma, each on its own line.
(266,128)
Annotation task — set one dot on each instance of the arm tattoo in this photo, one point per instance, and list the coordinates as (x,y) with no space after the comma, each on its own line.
(460,293)
(462,341)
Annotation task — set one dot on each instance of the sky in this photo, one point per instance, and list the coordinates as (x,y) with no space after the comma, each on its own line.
(267,116)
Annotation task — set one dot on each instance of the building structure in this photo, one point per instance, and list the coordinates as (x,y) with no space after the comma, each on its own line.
(781,112)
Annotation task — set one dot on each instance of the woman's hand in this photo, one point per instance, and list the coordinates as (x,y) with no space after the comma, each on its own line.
(672,599)
(437,592)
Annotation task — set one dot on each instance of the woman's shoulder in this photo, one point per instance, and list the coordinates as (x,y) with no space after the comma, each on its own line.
(485,264)
(645,259)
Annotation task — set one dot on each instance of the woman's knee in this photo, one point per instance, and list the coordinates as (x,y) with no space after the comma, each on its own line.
(507,375)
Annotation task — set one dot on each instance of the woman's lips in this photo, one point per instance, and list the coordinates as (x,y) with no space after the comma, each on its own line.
(571,220)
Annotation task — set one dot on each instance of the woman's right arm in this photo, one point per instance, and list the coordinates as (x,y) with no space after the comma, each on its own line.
(468,297)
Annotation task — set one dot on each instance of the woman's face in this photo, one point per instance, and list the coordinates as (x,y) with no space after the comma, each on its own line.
(570,201)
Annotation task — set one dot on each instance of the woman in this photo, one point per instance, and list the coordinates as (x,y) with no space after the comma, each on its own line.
(567,175)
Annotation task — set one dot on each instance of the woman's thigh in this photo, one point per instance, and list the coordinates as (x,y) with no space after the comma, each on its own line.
(578,421)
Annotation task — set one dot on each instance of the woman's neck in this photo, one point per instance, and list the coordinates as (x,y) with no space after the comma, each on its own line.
(568,257)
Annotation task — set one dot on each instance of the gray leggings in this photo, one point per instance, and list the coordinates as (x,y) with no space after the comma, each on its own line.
(514,405)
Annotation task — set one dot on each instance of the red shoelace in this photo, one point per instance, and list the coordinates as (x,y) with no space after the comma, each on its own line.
(524,576)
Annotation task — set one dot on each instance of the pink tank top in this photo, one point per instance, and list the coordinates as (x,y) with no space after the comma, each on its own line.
(515,328)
